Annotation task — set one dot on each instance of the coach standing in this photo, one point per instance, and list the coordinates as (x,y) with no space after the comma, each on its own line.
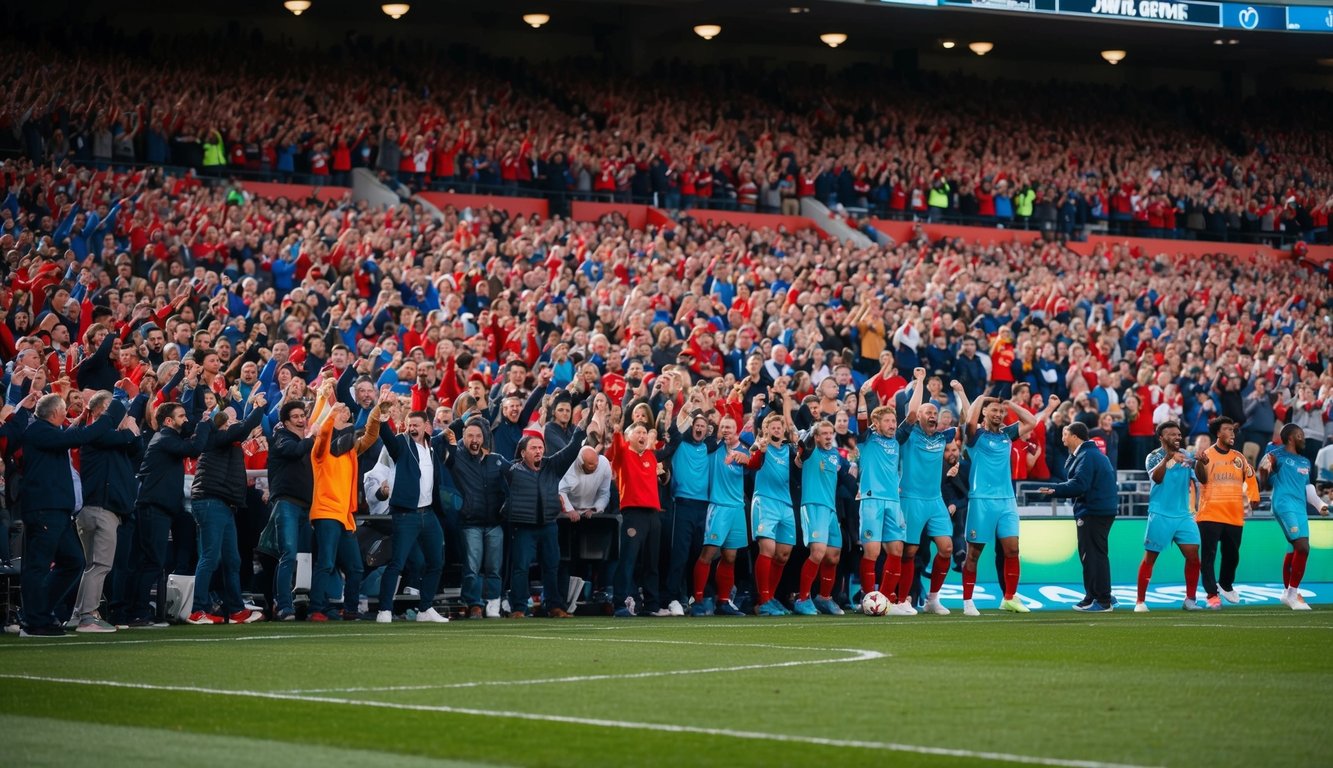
(52,554)
(1092,486)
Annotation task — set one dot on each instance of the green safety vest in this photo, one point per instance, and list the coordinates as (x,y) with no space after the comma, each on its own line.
(938,197)
(215,153)
(1023,203)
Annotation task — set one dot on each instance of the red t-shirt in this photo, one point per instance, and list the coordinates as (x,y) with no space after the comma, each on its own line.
(635,474)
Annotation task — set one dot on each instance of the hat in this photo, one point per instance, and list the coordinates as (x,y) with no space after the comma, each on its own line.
(531,431)
(477,377)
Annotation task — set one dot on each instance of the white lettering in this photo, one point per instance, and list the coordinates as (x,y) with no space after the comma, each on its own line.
(1156,9)
(1113,7)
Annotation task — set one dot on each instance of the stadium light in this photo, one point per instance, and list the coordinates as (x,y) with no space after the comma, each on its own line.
(833,39)
(947,44)
(535,20)
(1113,57)
(297,7)
(981,48)
(395,10)
(708,31)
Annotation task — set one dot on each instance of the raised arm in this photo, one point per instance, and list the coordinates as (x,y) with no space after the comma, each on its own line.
(918,393)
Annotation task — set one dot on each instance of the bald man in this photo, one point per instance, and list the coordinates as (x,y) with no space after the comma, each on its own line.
(585,490)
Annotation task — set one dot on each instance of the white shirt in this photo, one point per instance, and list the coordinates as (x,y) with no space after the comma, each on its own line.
(427,467)
(583,490)
(381,473)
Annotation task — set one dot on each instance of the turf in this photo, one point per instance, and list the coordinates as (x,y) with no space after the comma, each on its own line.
(1243,687)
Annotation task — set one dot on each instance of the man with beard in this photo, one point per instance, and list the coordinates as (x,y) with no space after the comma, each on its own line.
(1229,489)
(1169,517)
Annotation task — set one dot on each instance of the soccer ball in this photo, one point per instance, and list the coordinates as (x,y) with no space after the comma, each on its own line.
(875,604)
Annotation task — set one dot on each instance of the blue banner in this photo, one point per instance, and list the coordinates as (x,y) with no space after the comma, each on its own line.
(1253,17)
(1017,6)
(1309,19)
(1193,13)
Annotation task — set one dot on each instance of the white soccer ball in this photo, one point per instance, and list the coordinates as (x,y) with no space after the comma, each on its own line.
(875,604)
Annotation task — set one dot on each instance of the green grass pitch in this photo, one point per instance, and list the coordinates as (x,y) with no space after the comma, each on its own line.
(1243,687)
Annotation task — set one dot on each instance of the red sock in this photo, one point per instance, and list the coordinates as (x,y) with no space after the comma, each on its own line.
(726,579)
(1145,575)
(868,576)
(893,571)
(763,575)
(938,571)
(1286,569)
(905,580)
(809,570)
(701,568)
(969,582)
(1011,569)
(1192,566)
(1298,568)
(828,573)
(775,575)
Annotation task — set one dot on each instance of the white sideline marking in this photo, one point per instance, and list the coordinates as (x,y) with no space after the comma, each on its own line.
(856,655)
(1266,626)
(231,639)
(597,722)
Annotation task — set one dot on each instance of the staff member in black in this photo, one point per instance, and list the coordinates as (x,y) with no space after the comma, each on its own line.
(52,554)
(1092,486)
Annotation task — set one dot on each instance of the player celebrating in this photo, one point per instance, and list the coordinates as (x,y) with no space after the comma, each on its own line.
(724,531)
(922,501)
(881,514)
(1169,520)
(992,510)
(1288,470)
(772,518)
(822,467)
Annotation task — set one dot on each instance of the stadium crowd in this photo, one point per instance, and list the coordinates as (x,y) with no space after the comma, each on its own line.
(1166,164)
(279,368)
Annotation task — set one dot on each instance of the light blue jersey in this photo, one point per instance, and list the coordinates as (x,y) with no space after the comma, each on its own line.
(880,457)
(726,482)
(773,478)
(1171,497)
(819,477)
(1290,475)
(992,463)
(689,471)
(923,461)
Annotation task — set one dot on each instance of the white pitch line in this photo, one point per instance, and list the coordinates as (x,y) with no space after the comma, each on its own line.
(1267,626)
(598,722)
(857,654)
(231,639)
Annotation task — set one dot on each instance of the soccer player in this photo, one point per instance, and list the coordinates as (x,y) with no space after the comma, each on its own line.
(923,504)
(881,514)
(822,467)
(724,532)
(1288,471)
(1228,491)
(1169,520)
(992,510)
(772,518)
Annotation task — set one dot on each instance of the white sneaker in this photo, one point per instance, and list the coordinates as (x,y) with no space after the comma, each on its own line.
(493,608)
(933,606)
(907,608)
(674,608)
(1297,602)
(1230,595)
(432,616)
(411,592)
(970,608)
(1140,608)
(384,617)
(896,609)
(662,613)
(1190,605)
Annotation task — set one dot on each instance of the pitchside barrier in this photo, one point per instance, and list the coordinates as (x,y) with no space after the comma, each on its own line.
(1052,577)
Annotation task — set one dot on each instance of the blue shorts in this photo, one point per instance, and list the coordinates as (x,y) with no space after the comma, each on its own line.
(773,520)
(725,528)
(1295,525)
(1162,531)
(881,520)
(819,525)
(991,519)
(929,515)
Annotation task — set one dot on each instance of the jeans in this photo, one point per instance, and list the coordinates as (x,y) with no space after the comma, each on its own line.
(335,547)
(52,562)
(1094,531)
(293,526)
(1210,535)
(217,552)
(639,535)
(148,558)
(484,547)
(687,537)
(543,543)
(97,531)
(414,526)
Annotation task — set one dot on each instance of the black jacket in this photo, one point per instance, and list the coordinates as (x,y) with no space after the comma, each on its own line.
(221,471)
(506,434)
(1091,484)
(47,479)
(162,471)
(954,489)
(289,472)
(97,371)
(534,495)
(407,474)
(481,481)
(106,466)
